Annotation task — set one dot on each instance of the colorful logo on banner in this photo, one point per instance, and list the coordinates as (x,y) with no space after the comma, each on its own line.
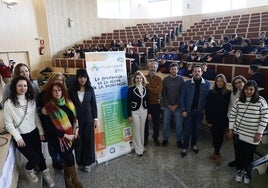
(108,76)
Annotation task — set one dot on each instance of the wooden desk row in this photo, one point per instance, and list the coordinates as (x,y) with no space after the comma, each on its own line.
(69,65)
(232,70)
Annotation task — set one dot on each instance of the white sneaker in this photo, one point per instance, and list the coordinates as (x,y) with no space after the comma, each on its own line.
(30,176)
(246,178)
(87,168)
(47,178)
(239,176)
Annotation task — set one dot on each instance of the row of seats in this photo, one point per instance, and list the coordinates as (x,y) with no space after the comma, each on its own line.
(136,32)
(248,59)
(245,25)
(229,70)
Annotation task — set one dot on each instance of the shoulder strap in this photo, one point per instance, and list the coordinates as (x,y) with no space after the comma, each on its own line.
(25,112)
(242,117)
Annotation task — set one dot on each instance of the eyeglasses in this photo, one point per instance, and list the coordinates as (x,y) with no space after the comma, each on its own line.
(239,82)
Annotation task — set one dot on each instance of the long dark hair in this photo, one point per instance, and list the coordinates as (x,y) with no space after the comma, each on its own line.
(224,89)
(255,96)
(238,77)
(29,95)
(17,70)
(82,73)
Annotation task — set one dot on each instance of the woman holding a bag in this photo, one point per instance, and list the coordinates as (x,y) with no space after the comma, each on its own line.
(248,119)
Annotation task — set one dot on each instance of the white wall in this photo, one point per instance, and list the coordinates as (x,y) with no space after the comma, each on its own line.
(49,19)
(18,29)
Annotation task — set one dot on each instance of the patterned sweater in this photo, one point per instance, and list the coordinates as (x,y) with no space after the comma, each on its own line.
(247,119)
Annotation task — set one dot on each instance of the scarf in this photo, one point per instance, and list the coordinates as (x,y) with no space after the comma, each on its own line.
(61,121)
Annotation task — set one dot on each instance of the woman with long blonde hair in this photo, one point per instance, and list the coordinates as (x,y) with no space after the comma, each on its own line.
(138,111)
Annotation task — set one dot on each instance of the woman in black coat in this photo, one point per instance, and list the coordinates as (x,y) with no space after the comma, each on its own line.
(138,111)
(83,97)
(216,114)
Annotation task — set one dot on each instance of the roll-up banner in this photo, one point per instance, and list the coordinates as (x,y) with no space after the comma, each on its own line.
(108,76)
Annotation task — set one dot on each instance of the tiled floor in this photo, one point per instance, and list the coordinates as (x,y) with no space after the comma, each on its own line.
(158,167)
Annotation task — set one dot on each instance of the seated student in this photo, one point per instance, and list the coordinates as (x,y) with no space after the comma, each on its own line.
(191,47)
(246,46)
(262,36)
(233,39)
(256,75)
(135,62)
(5,72)
(213,48)
(189,70)
(226,45)
(182,70)
(162,59)
(191,57)
(263,59)
(213,58)
(260,47)
(174,55)
(200,43)
(208,74)
(238,57)
(183,47)
(205,48)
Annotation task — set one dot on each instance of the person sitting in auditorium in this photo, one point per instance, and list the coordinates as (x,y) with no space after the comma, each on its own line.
(200,43)
(183,47)
(182,70)
(114,46)
(246,46)
(189,70)
(135,63)
(213,58)
(174,55)
(193,57)
(255,75)
(263,59)
(260,47)
(262,36)
(162,61)
(238,57)
(5,72)
(205,48)
(226,46)
(208,74)
(233,40)
(191,47)
(211,39)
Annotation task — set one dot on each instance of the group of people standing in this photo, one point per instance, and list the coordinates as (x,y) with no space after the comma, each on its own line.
(241,110)
(65,118)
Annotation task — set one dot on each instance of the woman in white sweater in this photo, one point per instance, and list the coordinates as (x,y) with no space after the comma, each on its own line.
(238,83)
(248,119)
(22,122)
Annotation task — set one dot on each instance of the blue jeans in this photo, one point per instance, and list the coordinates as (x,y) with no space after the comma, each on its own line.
(166,123)
(191,127)
(53,153)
